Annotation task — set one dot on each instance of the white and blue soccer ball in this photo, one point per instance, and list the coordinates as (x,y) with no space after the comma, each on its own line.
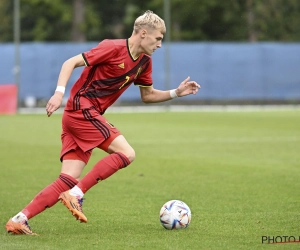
(175,214)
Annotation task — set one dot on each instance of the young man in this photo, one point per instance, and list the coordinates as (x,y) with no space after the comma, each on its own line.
(110,68)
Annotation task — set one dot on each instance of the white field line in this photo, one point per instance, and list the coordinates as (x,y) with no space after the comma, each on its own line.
(179,108)
(251,139)
(266,139)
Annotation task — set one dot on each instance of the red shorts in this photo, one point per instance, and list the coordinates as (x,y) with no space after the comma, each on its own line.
(84,130)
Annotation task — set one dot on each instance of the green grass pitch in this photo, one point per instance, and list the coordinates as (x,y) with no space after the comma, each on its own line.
(237,171)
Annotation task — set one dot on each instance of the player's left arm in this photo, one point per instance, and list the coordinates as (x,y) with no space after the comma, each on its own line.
(65,73)
(152,95)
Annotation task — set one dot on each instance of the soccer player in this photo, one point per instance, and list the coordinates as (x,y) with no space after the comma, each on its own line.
(109,69)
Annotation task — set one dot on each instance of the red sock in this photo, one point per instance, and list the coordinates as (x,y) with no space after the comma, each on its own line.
(103,169)
(49,195)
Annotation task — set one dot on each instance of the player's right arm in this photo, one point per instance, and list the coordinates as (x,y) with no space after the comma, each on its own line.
(64,76)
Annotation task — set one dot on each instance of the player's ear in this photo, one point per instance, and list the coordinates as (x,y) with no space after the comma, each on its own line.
(143,33)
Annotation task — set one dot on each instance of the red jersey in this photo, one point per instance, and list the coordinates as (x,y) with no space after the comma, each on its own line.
(110,70)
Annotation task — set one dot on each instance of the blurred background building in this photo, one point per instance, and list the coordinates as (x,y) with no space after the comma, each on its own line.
(239,51)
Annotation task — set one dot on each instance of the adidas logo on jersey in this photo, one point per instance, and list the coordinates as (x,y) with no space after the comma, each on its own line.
(121,65)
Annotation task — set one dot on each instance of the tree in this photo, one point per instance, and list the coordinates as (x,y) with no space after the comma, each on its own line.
(6,27)
(250,21)
(277,20)
(78,33)
(206,20)
(191,20)
(48,20)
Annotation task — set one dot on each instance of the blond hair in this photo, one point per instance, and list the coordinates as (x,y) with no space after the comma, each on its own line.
(149,20)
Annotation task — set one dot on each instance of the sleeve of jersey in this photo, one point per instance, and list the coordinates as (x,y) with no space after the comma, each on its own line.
(145,78)
(99,54)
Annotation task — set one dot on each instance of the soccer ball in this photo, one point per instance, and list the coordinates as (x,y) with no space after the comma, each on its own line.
(175,214)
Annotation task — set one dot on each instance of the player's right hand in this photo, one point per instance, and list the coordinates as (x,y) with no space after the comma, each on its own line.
(54,103)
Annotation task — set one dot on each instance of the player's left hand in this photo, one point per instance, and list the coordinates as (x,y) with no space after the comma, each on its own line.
(187,87)
(54,103)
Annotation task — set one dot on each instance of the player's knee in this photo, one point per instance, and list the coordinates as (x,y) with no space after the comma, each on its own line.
(121,145)
(130,154)
(72,168)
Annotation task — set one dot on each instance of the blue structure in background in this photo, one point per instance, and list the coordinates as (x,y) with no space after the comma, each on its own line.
(225,71)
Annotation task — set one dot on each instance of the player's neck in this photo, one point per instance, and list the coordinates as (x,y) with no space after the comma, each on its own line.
(134,51)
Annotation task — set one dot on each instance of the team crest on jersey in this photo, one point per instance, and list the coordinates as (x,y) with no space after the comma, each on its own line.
(138,72)
(122,65)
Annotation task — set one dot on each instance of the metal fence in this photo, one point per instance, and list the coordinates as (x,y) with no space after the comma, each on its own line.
(225,71)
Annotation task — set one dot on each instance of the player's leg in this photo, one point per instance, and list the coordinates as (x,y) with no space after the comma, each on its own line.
(72,166)
(121,154)
(46,198)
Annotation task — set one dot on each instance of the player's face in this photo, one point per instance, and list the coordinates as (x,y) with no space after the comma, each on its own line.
(152,41)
